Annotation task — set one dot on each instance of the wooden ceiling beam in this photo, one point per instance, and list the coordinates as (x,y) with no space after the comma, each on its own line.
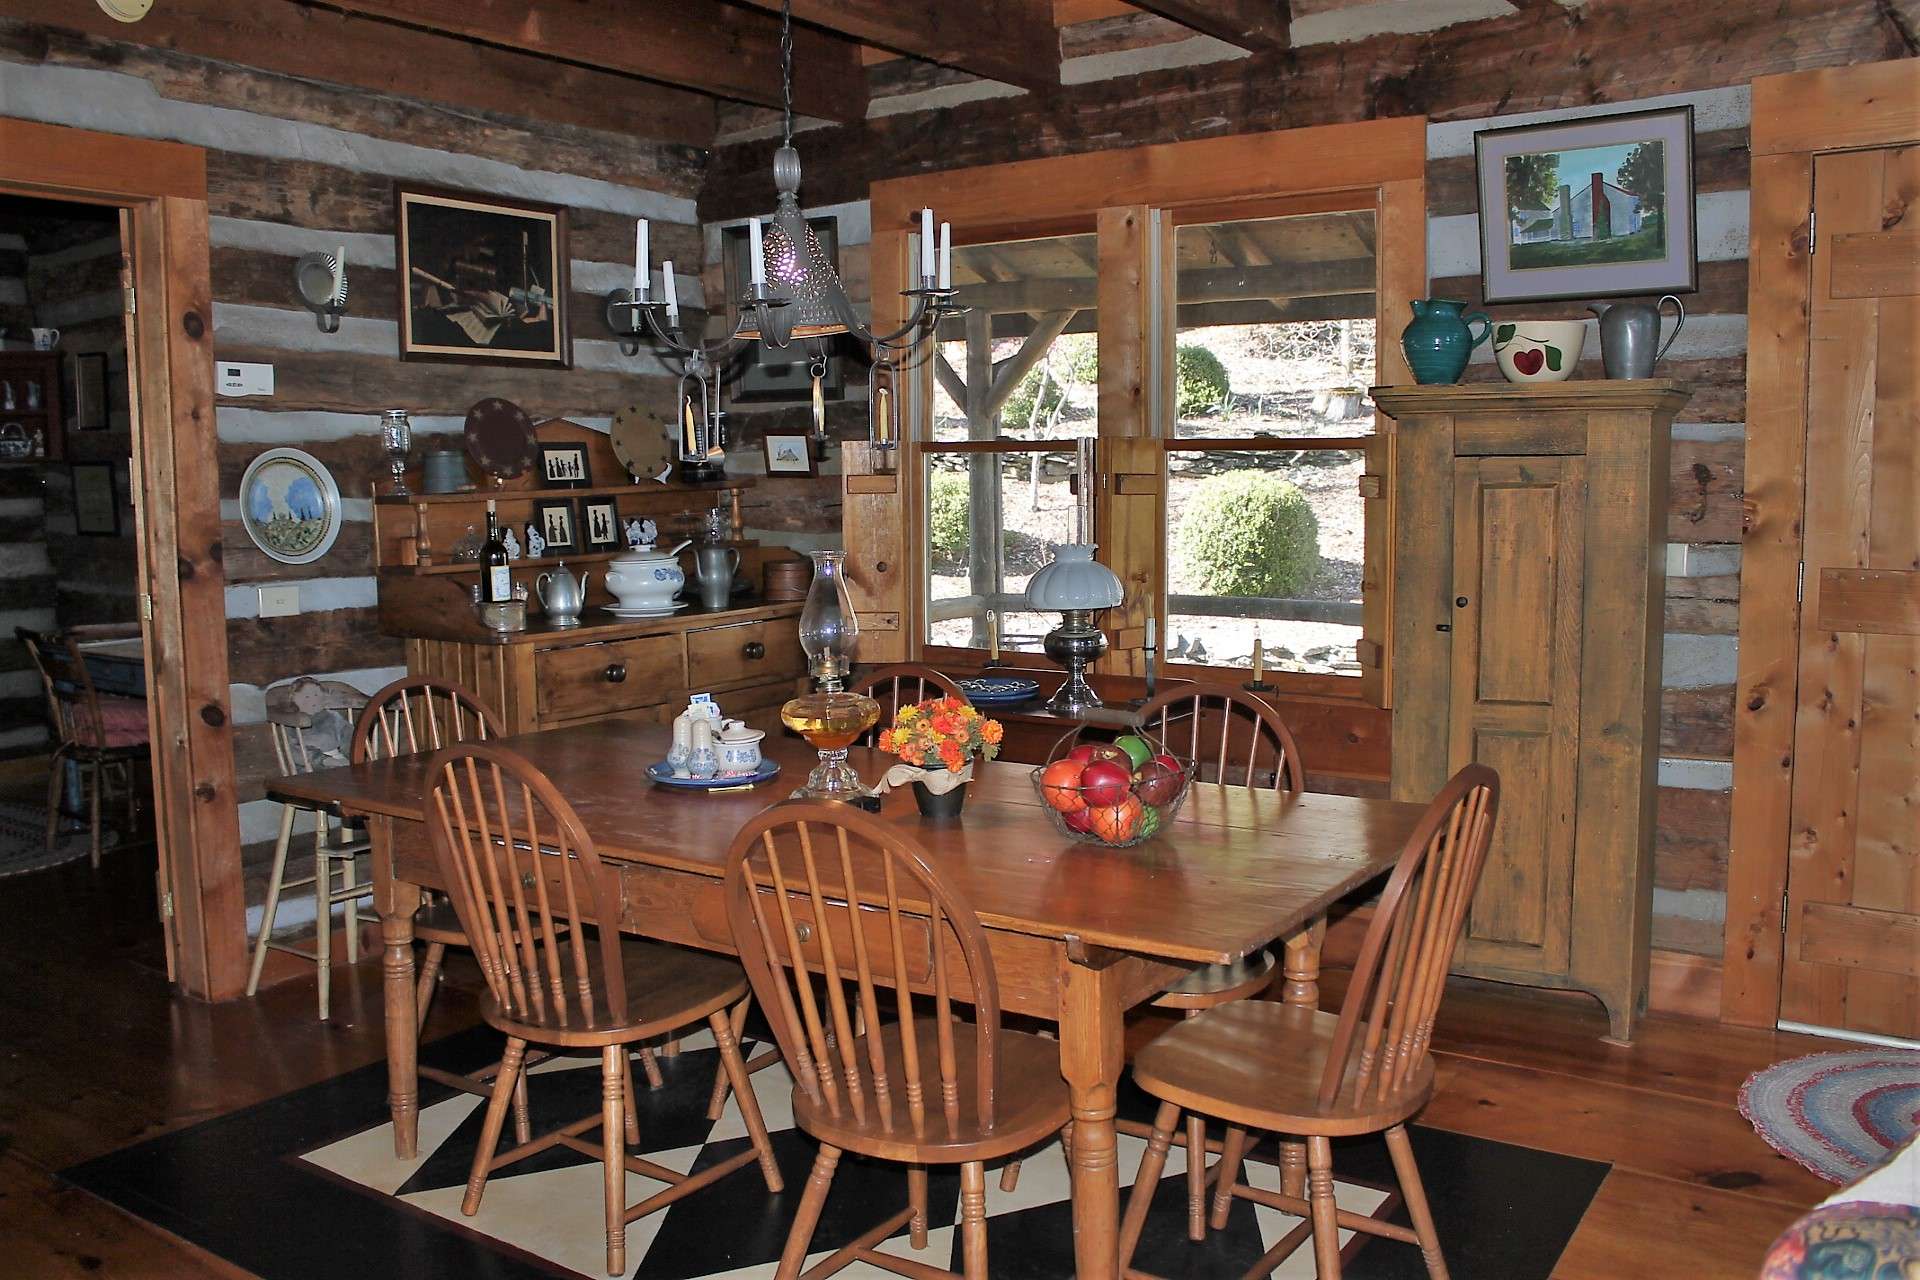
(716,49)
(1012,41)
(294,39)
(1261,26)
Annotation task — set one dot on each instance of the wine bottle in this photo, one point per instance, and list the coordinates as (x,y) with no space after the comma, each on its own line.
(496,580)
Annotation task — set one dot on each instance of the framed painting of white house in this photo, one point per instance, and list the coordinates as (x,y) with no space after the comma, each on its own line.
(1590,208)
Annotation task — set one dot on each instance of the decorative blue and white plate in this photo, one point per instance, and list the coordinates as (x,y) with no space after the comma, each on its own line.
(662,773)
(993,691)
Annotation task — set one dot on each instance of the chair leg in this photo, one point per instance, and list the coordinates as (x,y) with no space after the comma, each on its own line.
(95,780)
(1416,1193)
(973,1220)
(651,1066)
(917,1198)
(633,1114)
(522,1113)
(736,1069)
(812,1200)
(1326,1225)
(1151,1165)
(613,1075)
(322,914)
(503,1085)
(348,878)
(1196,1177)
(1010,1176)
(272,909)
(717,1103)
(56,785)
(1234,1150)
(429,981)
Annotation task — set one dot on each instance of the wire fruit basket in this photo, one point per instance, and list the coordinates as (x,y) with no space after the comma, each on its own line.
(1117,794)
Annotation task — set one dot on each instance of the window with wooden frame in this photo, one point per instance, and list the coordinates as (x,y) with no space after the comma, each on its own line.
(1289,259)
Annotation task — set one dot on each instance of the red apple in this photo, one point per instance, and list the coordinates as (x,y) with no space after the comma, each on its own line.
(1080,819)
(1060,785)
(1157,782)
(1088,752)
(1105,783)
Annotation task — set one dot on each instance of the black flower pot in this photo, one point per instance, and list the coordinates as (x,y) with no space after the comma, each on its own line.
(943,807)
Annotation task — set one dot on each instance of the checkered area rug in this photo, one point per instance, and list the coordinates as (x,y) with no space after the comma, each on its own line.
(307,1186)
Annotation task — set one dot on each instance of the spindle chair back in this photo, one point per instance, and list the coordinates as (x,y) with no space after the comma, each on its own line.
(901,685)
(1387,1016)
(1205,724)
(815,886)
(525,875)
(421,713)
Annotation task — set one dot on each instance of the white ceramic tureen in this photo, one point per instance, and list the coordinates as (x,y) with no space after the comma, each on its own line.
(646,579)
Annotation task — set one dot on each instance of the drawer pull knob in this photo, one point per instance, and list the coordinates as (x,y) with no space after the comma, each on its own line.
(1459,602)
(616,672)
(753,651)
(880,566)
(803,931)
(526,879)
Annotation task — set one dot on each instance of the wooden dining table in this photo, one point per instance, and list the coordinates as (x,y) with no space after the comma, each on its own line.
(1079,933)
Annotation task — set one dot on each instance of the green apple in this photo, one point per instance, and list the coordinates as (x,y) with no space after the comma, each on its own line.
(1138,749)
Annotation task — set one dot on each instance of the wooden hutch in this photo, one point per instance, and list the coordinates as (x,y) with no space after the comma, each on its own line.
(748,656)
(1528,584)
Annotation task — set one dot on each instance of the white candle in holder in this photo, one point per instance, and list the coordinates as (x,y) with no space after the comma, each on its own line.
(756,260)
(640,258)
(946,255)
(926,244)
(673,298)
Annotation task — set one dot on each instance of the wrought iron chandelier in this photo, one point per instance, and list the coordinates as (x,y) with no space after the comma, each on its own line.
(793,296)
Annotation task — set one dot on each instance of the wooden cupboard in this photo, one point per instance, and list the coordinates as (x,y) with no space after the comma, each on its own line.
(1528,585)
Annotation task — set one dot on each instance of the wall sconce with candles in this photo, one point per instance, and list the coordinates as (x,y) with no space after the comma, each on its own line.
(321,279)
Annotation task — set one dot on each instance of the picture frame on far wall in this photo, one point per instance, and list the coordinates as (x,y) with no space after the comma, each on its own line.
(90,411)
(564,465)
(96,501)
(600,525)
(790,455)
(559,521)
(483,279)
(760,374)
(1597,207)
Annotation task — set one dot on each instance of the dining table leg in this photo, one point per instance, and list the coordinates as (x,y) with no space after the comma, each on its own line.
(397,901)
(1301,968)
(1092,1054)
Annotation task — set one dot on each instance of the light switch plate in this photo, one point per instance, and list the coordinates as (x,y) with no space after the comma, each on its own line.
(237,378)
(279,602)
(1677,559)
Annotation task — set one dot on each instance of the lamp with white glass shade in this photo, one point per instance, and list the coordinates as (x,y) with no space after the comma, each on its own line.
(1075,585)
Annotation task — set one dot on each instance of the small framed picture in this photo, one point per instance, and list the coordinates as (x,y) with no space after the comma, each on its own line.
(600,524)
(90,391)
(1588,208)
(564,466)
(790,455)
(96,507)
(559,523)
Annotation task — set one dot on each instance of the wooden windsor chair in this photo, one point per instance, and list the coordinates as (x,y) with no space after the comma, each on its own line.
(526,878)
(1237,739)
(1280,1068)
(822,888)
(901,685)
(102,735)
(301,715)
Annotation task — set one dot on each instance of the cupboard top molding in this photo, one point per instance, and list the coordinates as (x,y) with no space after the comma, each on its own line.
(1651,395)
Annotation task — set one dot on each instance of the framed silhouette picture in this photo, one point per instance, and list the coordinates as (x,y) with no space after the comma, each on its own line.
(564,466)
(600,525)
(559,522)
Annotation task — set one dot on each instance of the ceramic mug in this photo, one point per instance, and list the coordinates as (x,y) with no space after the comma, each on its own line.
(45,339)
(1538,350)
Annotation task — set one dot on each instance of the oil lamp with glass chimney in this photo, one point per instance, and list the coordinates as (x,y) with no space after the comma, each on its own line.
(830,717)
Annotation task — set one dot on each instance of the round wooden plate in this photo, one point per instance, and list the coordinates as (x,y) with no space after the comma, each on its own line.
(640,443)
(500,438)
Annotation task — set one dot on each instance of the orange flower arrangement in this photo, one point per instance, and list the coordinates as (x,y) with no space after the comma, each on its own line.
(941,733)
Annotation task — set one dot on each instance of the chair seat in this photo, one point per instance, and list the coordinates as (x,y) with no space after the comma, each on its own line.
(1218,984)
(667,987)
(123,723)
(438,922)
(1258,1064)
(1030,1104)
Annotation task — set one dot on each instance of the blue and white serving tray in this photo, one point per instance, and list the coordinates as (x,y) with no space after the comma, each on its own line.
(662,773)
(998,691)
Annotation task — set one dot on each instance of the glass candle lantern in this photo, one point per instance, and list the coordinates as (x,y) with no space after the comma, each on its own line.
(396,438)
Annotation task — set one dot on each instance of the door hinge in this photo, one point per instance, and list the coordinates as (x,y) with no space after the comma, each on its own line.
(166,905)
(132,308)
(146,606)
(1813,238)
(1800,585)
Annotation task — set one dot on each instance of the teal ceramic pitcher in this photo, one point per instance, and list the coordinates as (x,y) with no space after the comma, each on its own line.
(1440,339)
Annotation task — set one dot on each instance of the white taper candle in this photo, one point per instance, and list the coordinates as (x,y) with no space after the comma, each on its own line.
(666,282)
(926,244)
(756,258)
(640,258)
(946,255)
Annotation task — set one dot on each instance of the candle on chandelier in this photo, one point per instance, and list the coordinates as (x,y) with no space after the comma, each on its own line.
(883,415)
(640,259)
(690,446)
(1149,633)
(673,298)
(946,255)
(926,244)
(756,262)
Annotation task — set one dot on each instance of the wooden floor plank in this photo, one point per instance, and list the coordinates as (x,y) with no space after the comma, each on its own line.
(1639,1225)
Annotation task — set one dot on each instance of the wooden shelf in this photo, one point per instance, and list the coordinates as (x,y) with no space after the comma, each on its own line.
(473,566)
(647,489)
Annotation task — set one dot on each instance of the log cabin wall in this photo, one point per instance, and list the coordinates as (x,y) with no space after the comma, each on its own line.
(296,165)
(1138,79)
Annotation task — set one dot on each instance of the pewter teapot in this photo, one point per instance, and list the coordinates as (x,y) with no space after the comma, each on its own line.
(1630,335)
(561,596)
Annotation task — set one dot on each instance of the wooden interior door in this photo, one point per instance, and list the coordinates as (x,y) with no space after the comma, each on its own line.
(1853,888)
(1517,544)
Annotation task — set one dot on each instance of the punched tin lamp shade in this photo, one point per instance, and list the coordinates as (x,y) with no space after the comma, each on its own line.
(798,272)
(1074,581)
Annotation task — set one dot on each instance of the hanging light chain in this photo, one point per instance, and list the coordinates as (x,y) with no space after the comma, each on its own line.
(786,68)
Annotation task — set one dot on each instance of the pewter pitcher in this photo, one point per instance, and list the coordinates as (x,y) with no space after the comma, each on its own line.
(713,569)
(1630,335)
(561,596)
